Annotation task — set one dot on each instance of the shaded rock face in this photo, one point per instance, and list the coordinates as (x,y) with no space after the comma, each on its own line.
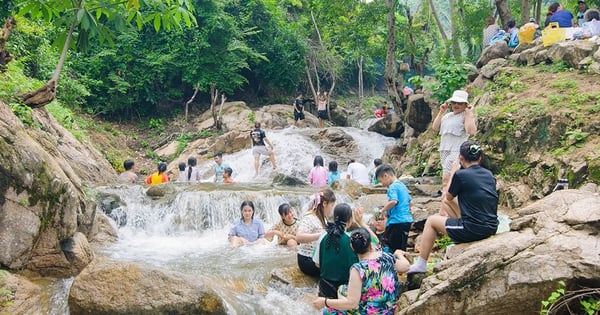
(553,239)
(41,202)
(391,125)
(418,113)
(498,49)
(107,287)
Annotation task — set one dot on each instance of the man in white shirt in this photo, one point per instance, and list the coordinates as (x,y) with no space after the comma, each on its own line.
(358,172)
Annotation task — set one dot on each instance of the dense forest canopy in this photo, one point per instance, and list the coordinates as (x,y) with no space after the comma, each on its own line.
(131,58)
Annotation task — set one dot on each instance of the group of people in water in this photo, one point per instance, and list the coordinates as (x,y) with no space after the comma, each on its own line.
(357,263)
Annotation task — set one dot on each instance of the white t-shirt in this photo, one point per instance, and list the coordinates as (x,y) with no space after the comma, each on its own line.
(309,224)
(359,173)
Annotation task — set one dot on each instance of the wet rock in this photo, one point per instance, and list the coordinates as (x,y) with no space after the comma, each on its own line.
(24,297)
(286,180)
(294,277)
(108,287)
(554,238)
(155,191)
(77,251)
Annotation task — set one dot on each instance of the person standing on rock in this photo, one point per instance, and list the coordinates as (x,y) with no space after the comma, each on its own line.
(299,110)
(478,203)
(455,127)
(259,142)
(397,209)
(128,176)
(322,108)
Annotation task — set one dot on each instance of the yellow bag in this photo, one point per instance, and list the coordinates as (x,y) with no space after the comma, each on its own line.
(553,34)
(527,33)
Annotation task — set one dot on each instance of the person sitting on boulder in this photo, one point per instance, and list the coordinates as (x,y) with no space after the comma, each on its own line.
(478,205)
(160,176)
(382,112)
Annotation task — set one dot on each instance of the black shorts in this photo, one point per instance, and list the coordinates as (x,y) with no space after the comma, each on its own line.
(397,236)
(307,266)
(329,288)
(322,114)
(459,234)
(298,116)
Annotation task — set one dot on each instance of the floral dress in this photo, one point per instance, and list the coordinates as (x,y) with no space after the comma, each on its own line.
(380,287)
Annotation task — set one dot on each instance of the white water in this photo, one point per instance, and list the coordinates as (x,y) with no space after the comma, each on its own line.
(186,231)
(294,154)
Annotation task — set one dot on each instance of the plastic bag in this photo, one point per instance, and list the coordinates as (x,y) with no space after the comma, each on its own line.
(527,33)
(553,34)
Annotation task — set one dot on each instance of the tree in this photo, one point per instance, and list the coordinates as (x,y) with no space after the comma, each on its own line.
(98,19)
(390,60)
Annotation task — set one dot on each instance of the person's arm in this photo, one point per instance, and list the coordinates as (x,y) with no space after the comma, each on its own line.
(267,141)
(437,122)
(307,237)
(348,302)
(149,179)
(470,125)
(401,264)
(388,206)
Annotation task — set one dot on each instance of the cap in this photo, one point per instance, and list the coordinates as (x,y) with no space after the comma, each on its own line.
(580,1)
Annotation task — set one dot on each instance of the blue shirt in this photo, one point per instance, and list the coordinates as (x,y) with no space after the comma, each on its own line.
(400,213)
(251,232)
(563,17)
(332,177)
(219,171)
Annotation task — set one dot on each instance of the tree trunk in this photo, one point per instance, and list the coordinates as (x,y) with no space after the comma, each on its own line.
(456,51)
(219,124)
(503,11)
(5,57)
(524,12)
(538,11)
(437,21)
(390,60)
(330,69)
(187,104)
(361,88)
(214,94)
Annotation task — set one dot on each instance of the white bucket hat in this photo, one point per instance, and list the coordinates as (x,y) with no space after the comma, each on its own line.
(459,97)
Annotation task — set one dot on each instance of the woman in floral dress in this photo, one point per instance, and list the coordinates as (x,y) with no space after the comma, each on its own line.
(373,287)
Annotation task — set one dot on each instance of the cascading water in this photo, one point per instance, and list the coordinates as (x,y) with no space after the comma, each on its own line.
(186,230)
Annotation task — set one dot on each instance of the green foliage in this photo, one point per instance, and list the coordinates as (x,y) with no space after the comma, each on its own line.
(6,296)
(574,138)
(251,116)
(587,300)
(152,155)
(443,242)
(556,67)
(450,76)
(23,112)
(72,122)
(156,124)
(564,85)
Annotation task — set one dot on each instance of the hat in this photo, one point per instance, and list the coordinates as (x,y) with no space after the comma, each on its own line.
(580,1)
(459,97)
(406,91)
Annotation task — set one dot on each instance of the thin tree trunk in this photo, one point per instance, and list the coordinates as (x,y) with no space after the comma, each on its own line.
(361,91)
(214,95)
(461,14)
(5,56)
(437,21)
(538,12)
(219,125)
(503,11)
(187,104)
(390,60)
(524,11)
(456,51)
(330,67)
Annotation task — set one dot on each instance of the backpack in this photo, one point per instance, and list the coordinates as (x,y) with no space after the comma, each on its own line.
(499,36)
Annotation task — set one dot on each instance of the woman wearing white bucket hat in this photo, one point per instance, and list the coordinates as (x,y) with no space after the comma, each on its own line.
(455,127)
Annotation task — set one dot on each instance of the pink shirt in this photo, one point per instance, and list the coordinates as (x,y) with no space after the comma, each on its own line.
(318,176)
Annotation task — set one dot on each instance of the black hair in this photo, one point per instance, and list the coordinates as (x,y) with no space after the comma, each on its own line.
(342,213)
(318,161)
(384,169)
(247,203)
(219,154)
(162,167)
(128,164)
(325,195)
(228,170)
(511,23)
(181,166)
(471,151)
(191,162)
(553,7)
(360,239)
(257,125)
(377,162)
(333,166)
(284,209)
(351,161)
(592,14)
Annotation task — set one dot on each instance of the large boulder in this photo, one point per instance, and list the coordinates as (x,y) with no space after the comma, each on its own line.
(108,287)
(553,239)
(19,295)
(392,125)
(498,49)
(418,113)
(42,204)
(571,52)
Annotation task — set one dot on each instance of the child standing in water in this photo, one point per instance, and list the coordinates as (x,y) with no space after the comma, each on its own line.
(333,173)
(318,174)
(160,176)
